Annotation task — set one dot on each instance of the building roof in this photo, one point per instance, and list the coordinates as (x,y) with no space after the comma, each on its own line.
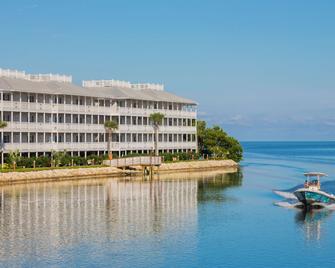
(54,87)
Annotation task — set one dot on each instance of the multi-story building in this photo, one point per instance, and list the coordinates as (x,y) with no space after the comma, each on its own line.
(47,112)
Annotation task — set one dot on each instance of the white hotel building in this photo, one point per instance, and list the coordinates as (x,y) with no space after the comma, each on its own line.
(47,112)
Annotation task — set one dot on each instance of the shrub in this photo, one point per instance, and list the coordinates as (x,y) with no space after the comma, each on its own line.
(43,161)
(79,161)
(26,162)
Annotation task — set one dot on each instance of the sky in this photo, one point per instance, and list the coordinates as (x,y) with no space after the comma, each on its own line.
(263,70)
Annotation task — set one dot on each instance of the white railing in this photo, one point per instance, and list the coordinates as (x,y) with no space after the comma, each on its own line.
(96,146)
(12,73)
(148,111)
(35,77)
(135,161)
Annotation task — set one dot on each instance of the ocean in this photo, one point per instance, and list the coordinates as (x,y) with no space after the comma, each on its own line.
(182,220)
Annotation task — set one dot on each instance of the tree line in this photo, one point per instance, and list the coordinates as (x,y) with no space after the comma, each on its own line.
(214,141)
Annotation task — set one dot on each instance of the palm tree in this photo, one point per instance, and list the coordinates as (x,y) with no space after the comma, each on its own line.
(3,124)
(156,119)
(110,126)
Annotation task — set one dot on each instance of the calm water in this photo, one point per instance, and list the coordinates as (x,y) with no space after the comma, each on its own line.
(199,220)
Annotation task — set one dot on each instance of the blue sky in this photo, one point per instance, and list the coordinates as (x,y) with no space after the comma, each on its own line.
(263,70)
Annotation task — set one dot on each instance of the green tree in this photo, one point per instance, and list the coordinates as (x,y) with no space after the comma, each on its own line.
(201,132)
(110,126)
(157,120)
(216,142)
(3,124)
(61,158)
(14,156)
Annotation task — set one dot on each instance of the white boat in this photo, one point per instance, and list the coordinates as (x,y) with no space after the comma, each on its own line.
(311,195)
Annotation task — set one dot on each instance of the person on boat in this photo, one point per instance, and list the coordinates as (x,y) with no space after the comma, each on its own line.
(306,184)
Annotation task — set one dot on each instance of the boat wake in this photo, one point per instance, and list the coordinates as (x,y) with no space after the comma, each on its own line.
(290,200)
(286,195)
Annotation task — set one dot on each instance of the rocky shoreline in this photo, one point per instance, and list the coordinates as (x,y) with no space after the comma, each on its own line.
(82,173)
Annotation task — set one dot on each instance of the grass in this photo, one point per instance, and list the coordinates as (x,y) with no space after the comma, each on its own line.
(48,168)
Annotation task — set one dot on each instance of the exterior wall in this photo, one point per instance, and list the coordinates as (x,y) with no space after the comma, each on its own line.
(39,123)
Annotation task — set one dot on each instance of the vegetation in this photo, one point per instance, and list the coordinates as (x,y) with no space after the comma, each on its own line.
(156,119)
(57,160)
(217,143)
(3,124)
(110,126)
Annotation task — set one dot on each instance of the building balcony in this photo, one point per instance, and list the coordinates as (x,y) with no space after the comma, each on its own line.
(93,128)
(96,146)
(98,110)
(147,112)
(57,108)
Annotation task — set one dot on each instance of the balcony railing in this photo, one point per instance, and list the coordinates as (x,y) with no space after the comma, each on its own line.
(95,146)
(88,109)
(98,128)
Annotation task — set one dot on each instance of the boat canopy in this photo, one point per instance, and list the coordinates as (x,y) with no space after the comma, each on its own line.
(315,174)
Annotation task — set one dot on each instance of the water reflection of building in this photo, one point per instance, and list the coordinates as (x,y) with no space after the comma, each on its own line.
(311,222)
(45,218)
(152,206)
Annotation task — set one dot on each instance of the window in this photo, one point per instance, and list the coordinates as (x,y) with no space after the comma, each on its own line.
(101,119)
(24,137)
(32,137)
(40,98)
(88,137)
(88,119)
(32,98)
(47,118)
(24,117)
(75,119)
(40,137)
(47,98)
(16,117)
(60,100)
(82,137)
(32,117)
(6,137)
(82,119)
(68,118)
(68,137)
(6,97)
(16,96)
(7,116)
(67,99)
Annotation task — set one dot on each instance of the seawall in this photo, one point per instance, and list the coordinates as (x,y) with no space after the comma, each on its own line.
(82,173)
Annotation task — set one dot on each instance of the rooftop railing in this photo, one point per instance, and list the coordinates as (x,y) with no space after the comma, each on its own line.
(35,77)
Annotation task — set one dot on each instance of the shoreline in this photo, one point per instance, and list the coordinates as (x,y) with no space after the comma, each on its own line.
(110,172)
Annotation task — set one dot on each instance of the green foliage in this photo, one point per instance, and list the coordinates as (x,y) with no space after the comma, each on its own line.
(157,119)
(111,125)
(79,161)
(3,124)
(172,157)
(25,162)
(5,166)
(217,143)
(43,161)
(14,156)
(61,158)
(57,159)
(96,160)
